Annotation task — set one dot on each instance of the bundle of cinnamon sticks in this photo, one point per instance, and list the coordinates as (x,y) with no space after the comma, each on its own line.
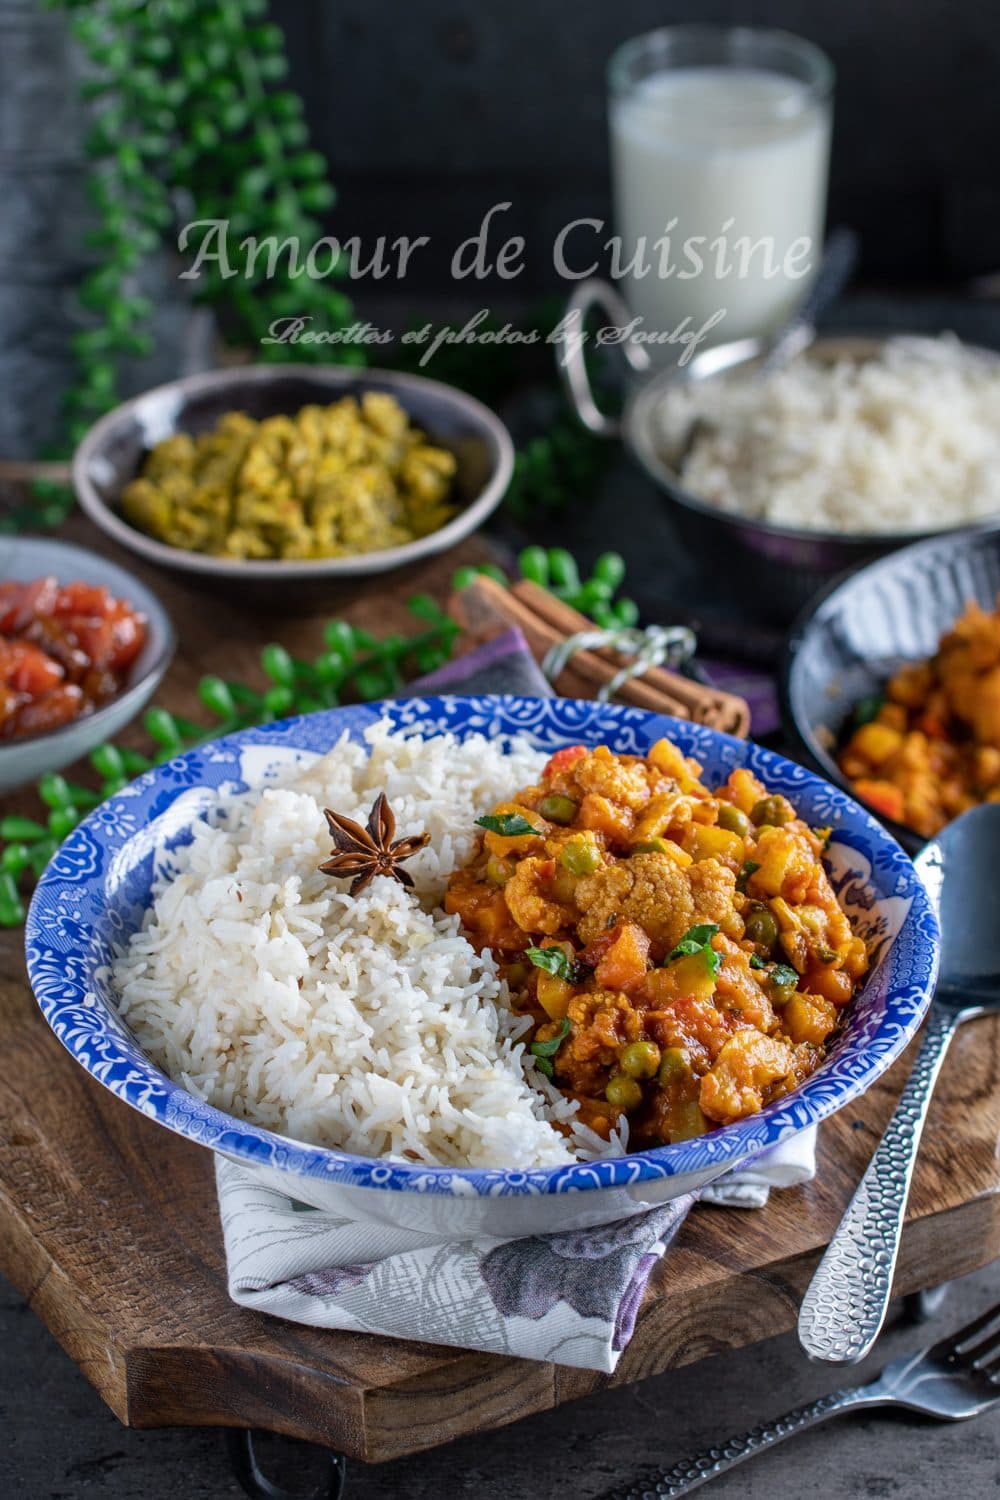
(484,608)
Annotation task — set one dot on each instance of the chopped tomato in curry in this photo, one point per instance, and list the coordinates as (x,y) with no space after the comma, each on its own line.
(683,954)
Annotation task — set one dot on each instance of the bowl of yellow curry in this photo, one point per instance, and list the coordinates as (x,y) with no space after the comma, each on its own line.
(293,475)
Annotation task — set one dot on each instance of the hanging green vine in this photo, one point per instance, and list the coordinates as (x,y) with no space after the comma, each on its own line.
(192,121)
(189,123)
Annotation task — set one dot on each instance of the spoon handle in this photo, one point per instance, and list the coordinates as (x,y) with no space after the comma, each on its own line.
(840,256)
(845,1305)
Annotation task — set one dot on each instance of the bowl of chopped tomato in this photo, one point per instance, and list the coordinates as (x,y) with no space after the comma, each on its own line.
(83,646)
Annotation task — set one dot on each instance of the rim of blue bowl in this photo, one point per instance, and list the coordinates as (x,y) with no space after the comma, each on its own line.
(154,611)
(469,518)
(65,996)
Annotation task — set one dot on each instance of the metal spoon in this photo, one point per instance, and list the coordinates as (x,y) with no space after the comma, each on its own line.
(845,1305)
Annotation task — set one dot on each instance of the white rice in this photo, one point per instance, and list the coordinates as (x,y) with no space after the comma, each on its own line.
(906,441)
(368,1024)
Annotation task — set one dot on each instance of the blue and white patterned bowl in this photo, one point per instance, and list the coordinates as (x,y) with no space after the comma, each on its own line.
(93,894)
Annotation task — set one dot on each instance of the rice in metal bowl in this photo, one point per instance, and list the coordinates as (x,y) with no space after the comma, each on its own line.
(367,1024)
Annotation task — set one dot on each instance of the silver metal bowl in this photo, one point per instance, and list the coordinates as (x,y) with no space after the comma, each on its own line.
(770,571)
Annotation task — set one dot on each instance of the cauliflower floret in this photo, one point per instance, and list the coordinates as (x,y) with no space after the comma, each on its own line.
(620,781)
(665,899)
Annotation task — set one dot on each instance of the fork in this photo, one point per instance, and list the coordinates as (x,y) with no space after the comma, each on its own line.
(953,1380)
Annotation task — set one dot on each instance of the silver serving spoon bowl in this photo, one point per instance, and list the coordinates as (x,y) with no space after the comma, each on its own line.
(845,1305)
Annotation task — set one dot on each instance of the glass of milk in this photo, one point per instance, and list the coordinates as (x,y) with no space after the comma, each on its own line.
(720,145)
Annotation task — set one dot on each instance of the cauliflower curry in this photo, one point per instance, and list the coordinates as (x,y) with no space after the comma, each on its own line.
(931,750)
(683,954)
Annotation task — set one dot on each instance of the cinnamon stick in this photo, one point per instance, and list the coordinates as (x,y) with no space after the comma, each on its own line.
(485,608)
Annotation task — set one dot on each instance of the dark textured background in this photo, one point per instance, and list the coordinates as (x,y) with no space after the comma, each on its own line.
(431,112)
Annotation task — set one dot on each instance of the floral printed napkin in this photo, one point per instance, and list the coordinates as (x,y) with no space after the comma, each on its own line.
(570,1298)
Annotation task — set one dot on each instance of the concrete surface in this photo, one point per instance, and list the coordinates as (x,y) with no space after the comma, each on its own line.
(61,1443)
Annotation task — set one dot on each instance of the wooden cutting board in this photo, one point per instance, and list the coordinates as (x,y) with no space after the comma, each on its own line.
(108,1223)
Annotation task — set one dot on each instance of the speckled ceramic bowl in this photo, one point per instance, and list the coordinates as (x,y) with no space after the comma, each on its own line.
(113,450)
(94,892)
(27,557)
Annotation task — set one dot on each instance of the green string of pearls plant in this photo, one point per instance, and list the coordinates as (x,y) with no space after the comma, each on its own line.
(190,122)
(353,664)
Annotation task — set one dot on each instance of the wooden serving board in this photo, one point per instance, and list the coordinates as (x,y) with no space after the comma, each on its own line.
(108,1223)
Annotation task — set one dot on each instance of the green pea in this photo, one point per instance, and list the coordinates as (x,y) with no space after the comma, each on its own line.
(655,845)
(610,569)
(11,905)
(499,871)
(782,993)
(623,1093)
(733,820)
(563,569)
(328,666)
(135,762)
(41,853)
(534,565)
(579,856)
(592,593)
(761,927)
(62,821)
(14,858)
(277,701)
(216,696)
(771,810)
(639,1059)
(21,829)
(54,791)
(339,636)
(675,1065)
(558,809)
(278,664)
(161,727)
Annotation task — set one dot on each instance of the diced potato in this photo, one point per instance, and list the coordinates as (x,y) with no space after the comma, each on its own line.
(688,975)
(624,964)
(809,1018)
(708,841)
(876,742)
(745,789)
(657,815)
(604,817)
(554,995)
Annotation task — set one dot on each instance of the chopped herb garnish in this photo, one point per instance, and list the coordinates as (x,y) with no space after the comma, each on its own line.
(542,1052)
(698,940)
(867,709)
(555,961)
(507,825)
(746,870)
(826,955)
(756,962)
(783,974)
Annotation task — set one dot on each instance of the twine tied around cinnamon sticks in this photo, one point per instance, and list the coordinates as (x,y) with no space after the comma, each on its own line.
(586,662)
(653,646)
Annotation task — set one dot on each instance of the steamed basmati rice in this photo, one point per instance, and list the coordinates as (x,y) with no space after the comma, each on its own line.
(906,441)
(368,1024)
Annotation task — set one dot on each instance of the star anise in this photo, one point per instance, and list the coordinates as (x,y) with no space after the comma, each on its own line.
(370,851)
